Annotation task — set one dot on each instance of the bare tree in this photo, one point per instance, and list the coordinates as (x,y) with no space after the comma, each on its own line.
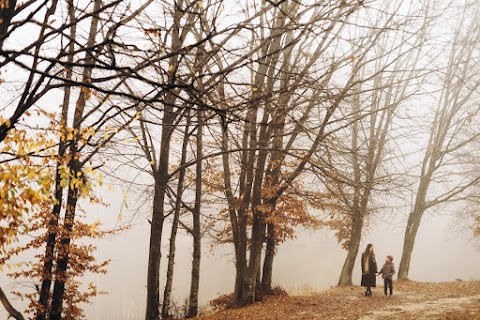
(451,134)
(49,62)
(397,74)
(294,106)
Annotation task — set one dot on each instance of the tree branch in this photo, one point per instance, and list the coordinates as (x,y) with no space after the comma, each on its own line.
(10,309)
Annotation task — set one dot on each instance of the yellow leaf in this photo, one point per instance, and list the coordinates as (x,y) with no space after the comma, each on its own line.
(100,179)
(31,174)
(85,189)
(92,228)
(63,183)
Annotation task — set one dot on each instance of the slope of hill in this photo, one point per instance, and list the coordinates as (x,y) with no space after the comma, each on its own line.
(411,300)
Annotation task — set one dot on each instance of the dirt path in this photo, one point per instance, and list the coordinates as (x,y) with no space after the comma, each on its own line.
(411,300)
(449,308)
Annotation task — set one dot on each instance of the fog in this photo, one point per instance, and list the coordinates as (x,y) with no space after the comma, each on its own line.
(311,262)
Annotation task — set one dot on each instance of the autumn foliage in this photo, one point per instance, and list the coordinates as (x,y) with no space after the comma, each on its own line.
(27,198)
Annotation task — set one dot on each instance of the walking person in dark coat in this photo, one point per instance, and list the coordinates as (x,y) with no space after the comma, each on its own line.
(369,269)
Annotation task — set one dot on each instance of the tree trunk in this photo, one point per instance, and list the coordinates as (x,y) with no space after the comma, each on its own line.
(240,275)
(75,168)
(173,235)
(251,285)
(258,235)
(53,221)
(7,11)
(238,219)
(356,235)
(408,242)
(258,281)
(45,288)
(195,280)
(268,261)
(154,254)
(167,293)
(244,274)
(63,253)
(161,177)
(158,218)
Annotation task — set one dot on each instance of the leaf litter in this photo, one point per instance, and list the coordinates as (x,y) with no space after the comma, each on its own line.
(458,300)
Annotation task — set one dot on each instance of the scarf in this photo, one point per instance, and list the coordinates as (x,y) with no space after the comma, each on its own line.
(366,264)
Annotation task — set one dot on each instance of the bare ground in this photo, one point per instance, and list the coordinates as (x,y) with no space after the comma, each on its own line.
(411,300)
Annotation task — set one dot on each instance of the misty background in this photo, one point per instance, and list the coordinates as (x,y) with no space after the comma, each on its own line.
(312,262)
(444,251)
(444,248)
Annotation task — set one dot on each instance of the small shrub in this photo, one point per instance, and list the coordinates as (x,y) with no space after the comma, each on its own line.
(225,301)
(278,291)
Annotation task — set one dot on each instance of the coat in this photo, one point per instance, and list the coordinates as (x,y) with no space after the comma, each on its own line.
(369,279)
(387,271)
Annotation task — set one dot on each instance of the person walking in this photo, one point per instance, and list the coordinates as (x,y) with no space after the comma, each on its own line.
(369,270)
(387,272)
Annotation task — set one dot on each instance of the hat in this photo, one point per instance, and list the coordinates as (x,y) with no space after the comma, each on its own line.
(390,257)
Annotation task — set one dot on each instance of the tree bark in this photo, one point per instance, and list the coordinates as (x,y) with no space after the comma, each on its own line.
(173,235)
(249,143)
(267,271)
(161,174)
(158,215)
(7,11)
(195,279)
(63,254)
(253,282)
(353,247)
(408,242)
(74,167)
(53,222)
(413,224)
(258,235)
(238,219)
(154,253)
